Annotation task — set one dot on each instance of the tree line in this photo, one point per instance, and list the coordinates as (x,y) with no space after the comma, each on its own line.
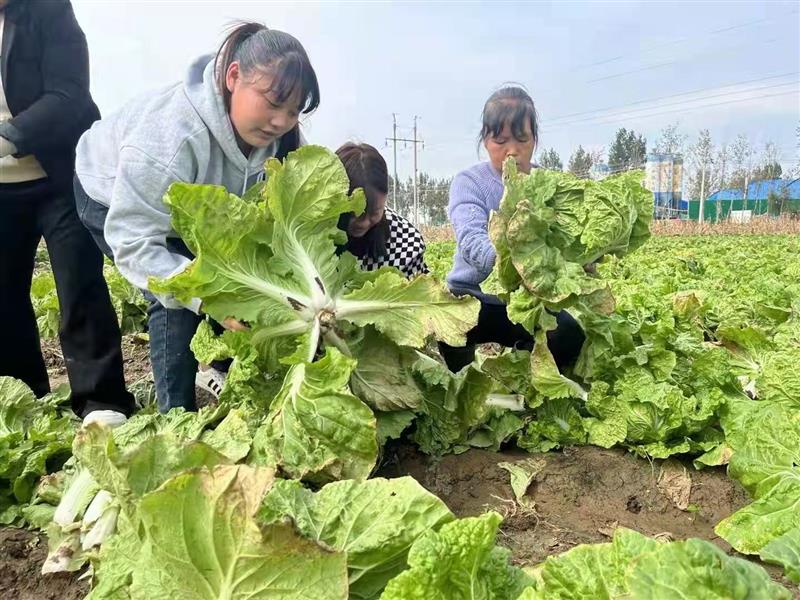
(726,165)
(723,165)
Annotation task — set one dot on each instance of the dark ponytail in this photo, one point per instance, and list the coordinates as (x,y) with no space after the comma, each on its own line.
(254,46)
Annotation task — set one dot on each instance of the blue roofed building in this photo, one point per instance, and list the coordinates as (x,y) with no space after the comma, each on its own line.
(730,194)
(721,203)
(760,190)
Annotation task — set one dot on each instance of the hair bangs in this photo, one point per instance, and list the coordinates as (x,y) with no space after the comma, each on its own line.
(294,75)
(512,113)
(509,106)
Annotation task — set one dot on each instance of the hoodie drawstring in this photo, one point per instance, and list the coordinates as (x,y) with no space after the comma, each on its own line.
(262,175)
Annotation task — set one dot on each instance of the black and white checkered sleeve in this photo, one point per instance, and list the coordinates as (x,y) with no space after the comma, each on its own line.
(414,267)
(407,248)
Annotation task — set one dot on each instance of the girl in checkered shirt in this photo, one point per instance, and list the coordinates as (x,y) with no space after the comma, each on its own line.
(379,237)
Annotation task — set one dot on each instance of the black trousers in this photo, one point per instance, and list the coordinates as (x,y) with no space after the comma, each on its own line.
(494,326)
(89,331)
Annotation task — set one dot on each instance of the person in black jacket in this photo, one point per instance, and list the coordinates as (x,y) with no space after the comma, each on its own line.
(45,106)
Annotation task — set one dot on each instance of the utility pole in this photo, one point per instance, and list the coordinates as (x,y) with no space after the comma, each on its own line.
(416,192)
(415,141)
(394,137)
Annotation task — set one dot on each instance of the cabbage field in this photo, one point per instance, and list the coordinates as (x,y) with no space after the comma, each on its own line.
(343,460)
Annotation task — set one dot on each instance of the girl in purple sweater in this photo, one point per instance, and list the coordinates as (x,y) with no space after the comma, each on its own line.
(509,129)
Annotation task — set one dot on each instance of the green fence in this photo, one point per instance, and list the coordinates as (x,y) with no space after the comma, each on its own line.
(717,210)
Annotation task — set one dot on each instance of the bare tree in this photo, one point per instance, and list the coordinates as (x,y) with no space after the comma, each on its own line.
(742,162)
(702,177)
(597,155)
(795,172)
(722,160)
(671,140)
(770,167)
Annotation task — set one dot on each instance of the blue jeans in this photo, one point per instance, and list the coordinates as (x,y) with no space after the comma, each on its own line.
(174,364)
(171,330)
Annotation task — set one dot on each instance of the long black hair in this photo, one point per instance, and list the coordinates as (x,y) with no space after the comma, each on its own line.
(367,170)
(254,46)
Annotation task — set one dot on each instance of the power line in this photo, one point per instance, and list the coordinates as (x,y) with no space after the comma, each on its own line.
(617,117)
(683,59)
(629,113)
(697,91)
(686,109)
(647,50)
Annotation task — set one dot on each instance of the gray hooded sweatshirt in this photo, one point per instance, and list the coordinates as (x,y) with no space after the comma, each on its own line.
(128,160)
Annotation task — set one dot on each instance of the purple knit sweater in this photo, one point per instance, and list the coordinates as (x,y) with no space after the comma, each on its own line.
(474,194)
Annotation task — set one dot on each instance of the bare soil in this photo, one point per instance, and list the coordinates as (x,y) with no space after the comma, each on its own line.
(579,496)
(21,556)
(135,351)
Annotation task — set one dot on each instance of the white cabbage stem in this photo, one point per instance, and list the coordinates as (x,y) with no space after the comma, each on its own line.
(334,340)
(103,527)
(76,498)
(97,507)
(512,402)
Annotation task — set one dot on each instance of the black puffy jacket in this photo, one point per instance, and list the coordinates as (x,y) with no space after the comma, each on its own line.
(45,71)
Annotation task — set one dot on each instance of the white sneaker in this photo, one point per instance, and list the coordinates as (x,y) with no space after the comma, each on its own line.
(112,418)
(210,380)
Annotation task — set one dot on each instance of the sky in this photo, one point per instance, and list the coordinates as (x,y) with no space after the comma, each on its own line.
(591,67)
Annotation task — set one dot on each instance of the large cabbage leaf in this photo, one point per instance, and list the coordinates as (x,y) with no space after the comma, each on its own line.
(374,522)
(637,567)
(316,428)
(35,439)
(765,437)
(201,540)
(459,562)
(274,264)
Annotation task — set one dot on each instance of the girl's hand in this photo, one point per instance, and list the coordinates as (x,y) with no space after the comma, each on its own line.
(232,324)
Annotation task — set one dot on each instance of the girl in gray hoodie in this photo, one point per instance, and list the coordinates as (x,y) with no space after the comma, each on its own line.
(233,111)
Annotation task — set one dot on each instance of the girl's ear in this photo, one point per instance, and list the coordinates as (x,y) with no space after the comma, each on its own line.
(232,75)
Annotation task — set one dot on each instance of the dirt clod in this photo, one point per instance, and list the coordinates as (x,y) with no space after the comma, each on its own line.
(633,505)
